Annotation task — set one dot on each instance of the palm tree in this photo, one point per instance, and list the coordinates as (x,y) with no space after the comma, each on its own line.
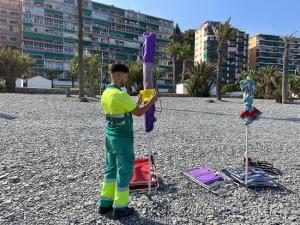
(285,75)
(13,64)
(158,73)
(186,54)
(80,50)
(105,78)
(69,78)
(223,32)
(189,38)
(135,77)
(295,85)
(74,74)
(269,80)
(92,72)
(177,35)
(51,75)
(253,74)
(173,51)
(199,83)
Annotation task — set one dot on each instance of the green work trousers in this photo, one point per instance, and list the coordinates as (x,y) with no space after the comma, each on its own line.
(119,160)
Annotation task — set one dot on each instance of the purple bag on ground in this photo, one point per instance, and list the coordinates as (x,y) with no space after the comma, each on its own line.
(204,175)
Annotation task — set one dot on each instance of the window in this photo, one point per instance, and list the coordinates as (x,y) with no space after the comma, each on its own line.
(27,18)
(120,43)
(27,10)
(38,4)
(14,39)
(14,14)
(88,29)
(53,65)
(3,21)
(69,1)
(13,22)
(27,2)
(38,19)
(69,50)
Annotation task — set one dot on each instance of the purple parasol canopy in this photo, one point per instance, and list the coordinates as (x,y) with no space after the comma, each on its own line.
(148,71)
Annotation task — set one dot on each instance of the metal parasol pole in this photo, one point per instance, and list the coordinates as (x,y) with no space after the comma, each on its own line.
(246,158)
(149,163)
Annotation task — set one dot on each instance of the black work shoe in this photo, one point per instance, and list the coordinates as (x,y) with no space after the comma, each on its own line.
(117,214)
(104,210)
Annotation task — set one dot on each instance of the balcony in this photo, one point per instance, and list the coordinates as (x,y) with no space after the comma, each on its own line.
(11,5)
(10,33)
(10,15)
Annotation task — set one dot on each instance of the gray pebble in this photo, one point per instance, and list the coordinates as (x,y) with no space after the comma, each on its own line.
(90,203)
(15,179)
(8,201)
(4,176)
(295,212)
(71,177)
(293,218)
(3,168)
(53,146)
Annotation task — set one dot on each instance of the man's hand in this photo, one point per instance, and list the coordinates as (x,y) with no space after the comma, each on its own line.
(139,99)
(154,97)
(141,111)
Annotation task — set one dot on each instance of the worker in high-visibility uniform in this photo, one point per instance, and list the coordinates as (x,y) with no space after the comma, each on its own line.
(118,107)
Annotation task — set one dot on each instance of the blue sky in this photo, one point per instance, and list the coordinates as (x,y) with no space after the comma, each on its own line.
(279,17)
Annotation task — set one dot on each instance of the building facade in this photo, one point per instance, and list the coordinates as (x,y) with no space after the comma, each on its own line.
(50,33)
(10,23)
(268,50)
(235,56)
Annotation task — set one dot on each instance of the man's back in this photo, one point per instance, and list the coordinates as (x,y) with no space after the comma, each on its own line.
(114,101)
(117,106)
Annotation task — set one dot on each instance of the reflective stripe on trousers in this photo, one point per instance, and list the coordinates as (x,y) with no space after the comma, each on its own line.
(119,160)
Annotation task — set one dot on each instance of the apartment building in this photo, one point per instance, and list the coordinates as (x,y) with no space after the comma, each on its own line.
(268,50)
(236,51)
(10,23)
(50,30)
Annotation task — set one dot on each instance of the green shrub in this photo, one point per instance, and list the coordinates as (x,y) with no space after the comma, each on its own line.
(2,88)
(278,96)
(295,85)
(228,88)
(199,79)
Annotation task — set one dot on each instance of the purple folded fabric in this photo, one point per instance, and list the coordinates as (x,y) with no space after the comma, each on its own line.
(148,71)
(204,175)
(149,47)
(150,119)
